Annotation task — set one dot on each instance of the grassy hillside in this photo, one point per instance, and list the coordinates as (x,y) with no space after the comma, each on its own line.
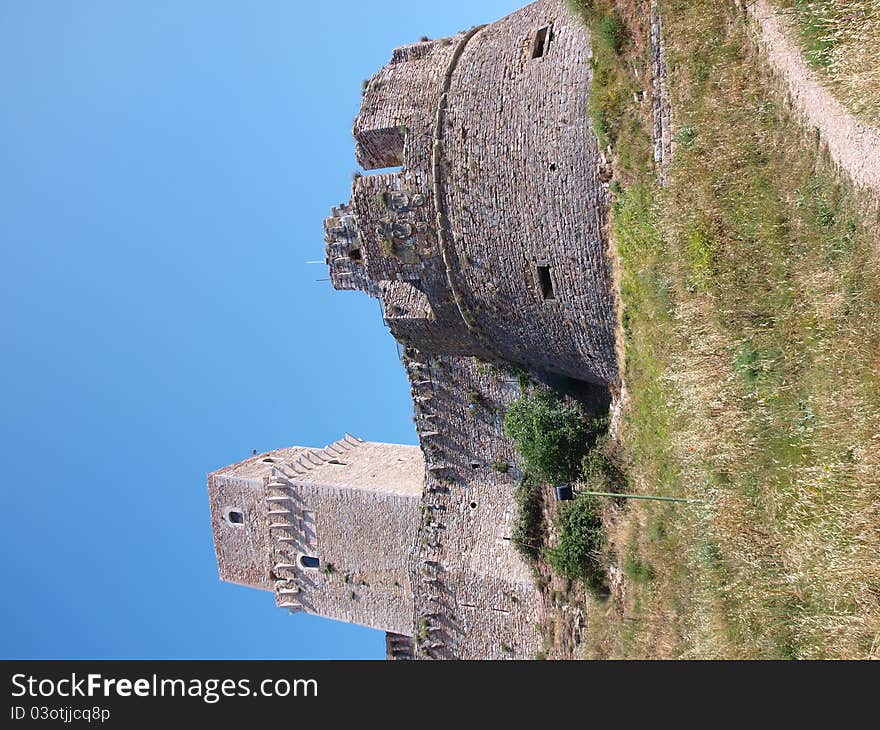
(751,294)
(841,41)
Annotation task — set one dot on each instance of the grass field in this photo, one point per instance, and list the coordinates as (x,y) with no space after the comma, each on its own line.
(841,41)
(751,323)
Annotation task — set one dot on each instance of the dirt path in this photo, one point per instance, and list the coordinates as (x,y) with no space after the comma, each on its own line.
(853,145)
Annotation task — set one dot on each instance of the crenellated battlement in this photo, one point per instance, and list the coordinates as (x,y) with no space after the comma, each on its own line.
(344,253)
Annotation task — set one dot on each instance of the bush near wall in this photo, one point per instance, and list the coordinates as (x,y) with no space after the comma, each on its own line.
(551,435)
(579,528)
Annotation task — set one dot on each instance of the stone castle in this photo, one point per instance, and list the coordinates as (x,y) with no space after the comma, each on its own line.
(482,235)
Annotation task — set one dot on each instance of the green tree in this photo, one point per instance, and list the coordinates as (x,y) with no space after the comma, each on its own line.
(551,435)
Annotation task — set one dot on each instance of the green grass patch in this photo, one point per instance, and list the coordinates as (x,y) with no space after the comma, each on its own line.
(751,325)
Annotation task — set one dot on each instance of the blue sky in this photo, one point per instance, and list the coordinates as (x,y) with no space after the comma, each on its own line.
(164,171)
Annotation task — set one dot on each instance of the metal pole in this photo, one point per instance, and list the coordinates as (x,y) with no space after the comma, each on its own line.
(641,496)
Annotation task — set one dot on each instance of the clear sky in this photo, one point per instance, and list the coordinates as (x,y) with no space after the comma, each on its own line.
(164,170)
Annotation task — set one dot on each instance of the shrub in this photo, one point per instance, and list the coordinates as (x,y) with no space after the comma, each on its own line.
(528,530)
(611,31)
(579,528)
(552,436)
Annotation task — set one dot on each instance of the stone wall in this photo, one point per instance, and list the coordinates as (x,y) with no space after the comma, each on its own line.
(362,540)
(523,188)
(243,548)
(496,213)
(485,243)
(474,595)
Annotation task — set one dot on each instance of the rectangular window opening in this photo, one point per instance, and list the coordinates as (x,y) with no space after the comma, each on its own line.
(382,148)
(545,284)
(542,40)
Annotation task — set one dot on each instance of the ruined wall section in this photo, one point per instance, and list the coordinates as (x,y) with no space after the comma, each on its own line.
(524,189)
(394,254)
(395,210)
(395,122)
(474,595)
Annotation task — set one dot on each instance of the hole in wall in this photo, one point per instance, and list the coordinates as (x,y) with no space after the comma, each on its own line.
(473,505)
(355,254)
(381,148)
(545,284)
(235,517)
(542,40)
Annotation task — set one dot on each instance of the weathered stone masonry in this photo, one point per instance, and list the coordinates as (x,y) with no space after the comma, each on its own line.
(484,244)
(488,240)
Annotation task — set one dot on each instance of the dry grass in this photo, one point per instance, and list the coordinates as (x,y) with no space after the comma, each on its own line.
(841,40)
(752,338)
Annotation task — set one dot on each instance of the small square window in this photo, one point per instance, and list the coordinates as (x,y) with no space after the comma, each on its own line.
(309,561)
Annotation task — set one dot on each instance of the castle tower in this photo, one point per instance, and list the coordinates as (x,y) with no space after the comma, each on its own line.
(483,231)
(329,531)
